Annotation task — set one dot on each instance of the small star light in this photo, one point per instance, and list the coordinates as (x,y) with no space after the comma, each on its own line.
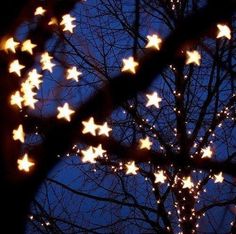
(67,23)
(218,178)
(99,151)
(28,94)
(46,62)
(187,182)
(10,44)
(193,57)
(65,112)
(206,152)
(153,41)
(153,99)
(224,31)
(15,67)
(129,65)
(33,78)
(18,134)
(73,73)
(159,177)
(145,143)
(28,46)
(89,126)
(39,11)
(16,99)
(24,164)
(88,155)
(104,129)
(131,168)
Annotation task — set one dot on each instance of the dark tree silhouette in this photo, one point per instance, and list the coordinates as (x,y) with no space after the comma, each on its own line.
(196,117)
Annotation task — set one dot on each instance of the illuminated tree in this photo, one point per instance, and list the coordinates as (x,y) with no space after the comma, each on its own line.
(166,121)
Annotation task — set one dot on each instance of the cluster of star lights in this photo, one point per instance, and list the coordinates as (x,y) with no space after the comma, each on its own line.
(26,97)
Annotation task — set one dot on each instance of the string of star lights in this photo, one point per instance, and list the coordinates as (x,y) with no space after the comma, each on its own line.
(26,95)
(31,80)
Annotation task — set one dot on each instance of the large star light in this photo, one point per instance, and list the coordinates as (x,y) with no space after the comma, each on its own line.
(65,112)
(24,163)
(153,42)
(129,65)
(153,100)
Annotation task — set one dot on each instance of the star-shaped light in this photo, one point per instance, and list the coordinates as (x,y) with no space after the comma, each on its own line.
(46,62)
(145,143)
(131,168)
(48,65)
(28,94)
(89,155)
(218,178)
(11,44)
(67,22)
(99,151)
(153,41)
(153,99)
(16,99)
(207,152)
(193,57)
(73,73)
(65,112)
(89,126)
(224,31)
(28,46)
(187,182)
(39,11)
(24,164)
(129,65)
(18,134)
(29,99)
(34,78)
(159,177)
(16,67)
(104,129)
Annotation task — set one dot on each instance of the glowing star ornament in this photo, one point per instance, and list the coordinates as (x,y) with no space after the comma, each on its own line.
(159,177)
(145,143)
(73,73)
(131,168)
(18,134)
(129,65)
(39,11)
(24,164)
(218,178)
(89,155)
(11,45)
(34,78)
(207,152)
(28,46)
(16,67)
(16,99)
(46,62)
(65,112)
(187,183)
(67,23)
(153,41)
(193,57)
(153,100)
(29,99)
(89,126)
(99,151)
(224,31)
(104,129)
